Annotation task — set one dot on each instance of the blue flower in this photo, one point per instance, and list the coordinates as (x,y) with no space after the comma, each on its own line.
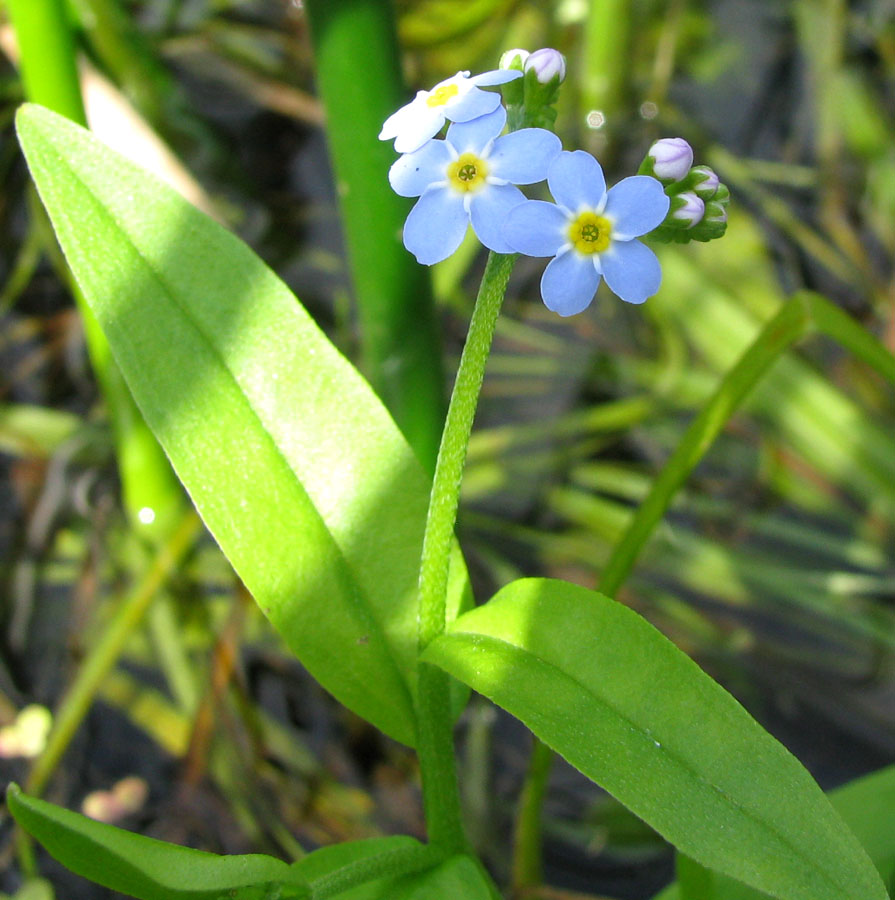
(590,232)
(468,178)
(457,98)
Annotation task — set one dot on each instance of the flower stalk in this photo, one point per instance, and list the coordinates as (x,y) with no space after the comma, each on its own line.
(435,739)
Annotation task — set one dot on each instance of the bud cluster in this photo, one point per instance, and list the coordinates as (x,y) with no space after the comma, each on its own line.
(698,210)
(530,100)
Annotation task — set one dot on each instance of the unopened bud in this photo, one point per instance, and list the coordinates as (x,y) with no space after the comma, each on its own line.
(672,158)
(547,64)
(690,209)
(513,59)
(722,195)
(715,213)
(705,181)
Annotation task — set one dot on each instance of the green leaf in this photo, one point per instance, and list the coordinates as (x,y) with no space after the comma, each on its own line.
(146,868)
(867,806)
(330,859)
(290,458)
(620,702)
(458,876)
(375,867)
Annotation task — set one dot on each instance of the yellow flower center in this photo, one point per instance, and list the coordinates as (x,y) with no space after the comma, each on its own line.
(467,172)
(590,233)
(441,95)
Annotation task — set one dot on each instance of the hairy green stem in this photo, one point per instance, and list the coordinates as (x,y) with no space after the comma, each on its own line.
(435,739)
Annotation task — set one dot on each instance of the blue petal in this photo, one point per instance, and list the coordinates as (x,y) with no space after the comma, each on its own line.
(436,225)
(496,76)
(636,205)
(474,135)
(488,211)
(576,180)
(569,283)
(418,126)
(536,228)
(523,157)
(631,270)
(414,172)
(472,105)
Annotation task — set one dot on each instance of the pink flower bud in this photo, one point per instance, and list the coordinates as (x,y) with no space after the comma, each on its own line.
(547,64)
(716,213)
(707,187)
(672,158)
(691,211)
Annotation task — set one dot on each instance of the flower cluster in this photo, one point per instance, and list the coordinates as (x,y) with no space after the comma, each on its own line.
(699,201)
(470,177)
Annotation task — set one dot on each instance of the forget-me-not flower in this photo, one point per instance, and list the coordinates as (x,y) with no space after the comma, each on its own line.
(468,178)
(457,98)
(590,232)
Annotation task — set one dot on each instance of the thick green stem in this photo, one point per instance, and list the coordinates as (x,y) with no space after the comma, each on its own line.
(152,495)
(47,53)
(606,64)
(359,80)
(435,739)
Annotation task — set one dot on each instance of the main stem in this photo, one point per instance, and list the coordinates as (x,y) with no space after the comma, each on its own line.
(435,744)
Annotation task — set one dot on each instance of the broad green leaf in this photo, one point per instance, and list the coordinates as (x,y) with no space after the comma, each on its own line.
(292,461)
(867,806)
(146,868)
(620,702)
(456,877)
(327,860)
(387,855)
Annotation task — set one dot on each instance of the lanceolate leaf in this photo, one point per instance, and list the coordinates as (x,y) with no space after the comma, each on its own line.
(867,806)
(146,868)
(620,702)
(378,864)
(427,874)
(292,461)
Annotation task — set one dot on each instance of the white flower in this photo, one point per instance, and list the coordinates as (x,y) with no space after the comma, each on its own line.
(457,98)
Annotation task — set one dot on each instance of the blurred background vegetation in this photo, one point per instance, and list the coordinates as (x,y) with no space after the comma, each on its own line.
(774,565)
